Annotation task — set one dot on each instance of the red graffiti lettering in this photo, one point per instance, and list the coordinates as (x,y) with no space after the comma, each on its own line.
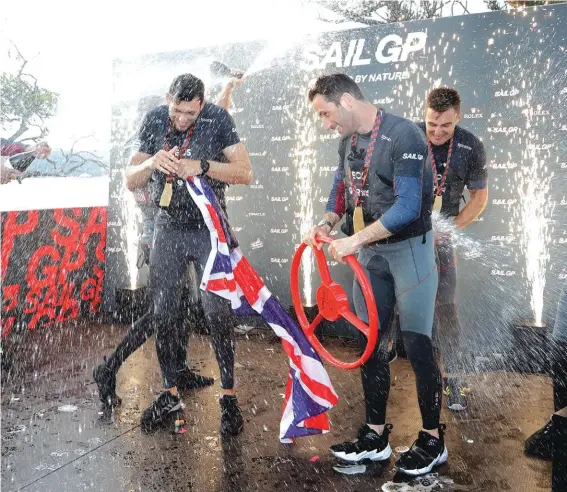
(96,225)
(69,306)
(6,324)
(49,271)
(91,290)
(10,296)
(33,300)
(74,253)
(12,229)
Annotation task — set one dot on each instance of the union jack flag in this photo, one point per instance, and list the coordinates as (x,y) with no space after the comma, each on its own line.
(309,393)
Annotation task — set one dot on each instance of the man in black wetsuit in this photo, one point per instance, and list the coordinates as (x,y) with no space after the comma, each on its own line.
(187,137)
(459,160)
(105,373)
(383,184)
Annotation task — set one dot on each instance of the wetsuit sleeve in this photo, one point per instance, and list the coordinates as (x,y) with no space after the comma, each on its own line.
(477,174)
(409,152)
(336,202)
(228,135)
(147,135)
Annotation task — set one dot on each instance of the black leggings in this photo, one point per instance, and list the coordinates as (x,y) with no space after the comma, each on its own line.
(173,251)
(404,273)
(376,379)
(144,328)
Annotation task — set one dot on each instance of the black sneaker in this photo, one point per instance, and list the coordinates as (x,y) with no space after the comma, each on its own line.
(368,446)
(189,380)
(155,415)
(231,416)
(455,394)
(540,443)
(425,453)
(106,383)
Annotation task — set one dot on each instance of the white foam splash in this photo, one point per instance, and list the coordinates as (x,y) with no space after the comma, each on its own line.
(426,483)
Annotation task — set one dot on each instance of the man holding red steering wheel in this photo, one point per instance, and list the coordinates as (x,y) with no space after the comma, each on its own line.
(384,186)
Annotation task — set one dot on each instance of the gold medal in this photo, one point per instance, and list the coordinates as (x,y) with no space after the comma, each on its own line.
(166,195)
(437,203)
(358,219)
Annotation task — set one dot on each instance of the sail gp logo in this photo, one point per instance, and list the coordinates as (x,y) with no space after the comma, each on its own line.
(503,165)
(504,201)
(503,239)
(502,273)
(507,93)
(503,129)
(415,157)
(359,52)
(281,261)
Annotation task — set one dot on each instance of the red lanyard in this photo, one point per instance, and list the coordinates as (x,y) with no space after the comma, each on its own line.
(369,151)
(438,186)
(182,150)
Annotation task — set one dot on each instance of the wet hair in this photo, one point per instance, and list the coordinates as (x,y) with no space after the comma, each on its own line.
(443,99)
(187,87)
(332,87)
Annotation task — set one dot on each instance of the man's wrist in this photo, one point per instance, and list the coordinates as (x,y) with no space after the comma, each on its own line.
(205,166)
(358,240)
(327,223)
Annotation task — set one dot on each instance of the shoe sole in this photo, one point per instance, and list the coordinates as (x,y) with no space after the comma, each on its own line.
(373,455)
(442,458)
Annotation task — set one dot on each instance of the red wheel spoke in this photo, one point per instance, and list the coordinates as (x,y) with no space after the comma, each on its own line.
(356,321)
(323,268)
(315,324)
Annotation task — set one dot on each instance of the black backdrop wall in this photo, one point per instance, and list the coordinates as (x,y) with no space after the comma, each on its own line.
(511,70)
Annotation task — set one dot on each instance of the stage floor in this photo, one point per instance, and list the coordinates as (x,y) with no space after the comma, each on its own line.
(47,445)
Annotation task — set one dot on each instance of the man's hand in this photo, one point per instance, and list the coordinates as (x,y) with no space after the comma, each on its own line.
(41,150)
(320,231)
(340,248)
(188,168)
(237,79)
(166,162)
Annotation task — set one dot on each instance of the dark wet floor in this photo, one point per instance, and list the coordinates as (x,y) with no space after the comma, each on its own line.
(49,445)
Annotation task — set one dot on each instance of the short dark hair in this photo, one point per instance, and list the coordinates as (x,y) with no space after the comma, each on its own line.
(187,87)
(332,87)
(443,99)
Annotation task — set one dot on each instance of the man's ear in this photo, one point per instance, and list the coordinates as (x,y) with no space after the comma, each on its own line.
(347,101)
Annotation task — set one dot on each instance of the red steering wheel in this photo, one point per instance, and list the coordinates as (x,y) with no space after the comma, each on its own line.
(333,304)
